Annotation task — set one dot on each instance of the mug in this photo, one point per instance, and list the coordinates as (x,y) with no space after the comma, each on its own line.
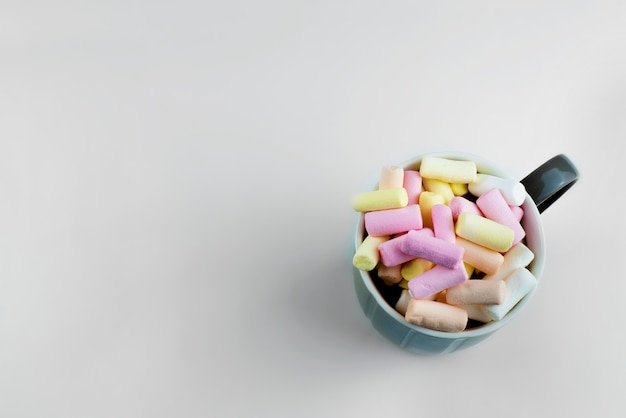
(544,186)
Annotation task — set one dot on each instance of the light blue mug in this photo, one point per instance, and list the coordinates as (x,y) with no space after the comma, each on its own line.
(543,186)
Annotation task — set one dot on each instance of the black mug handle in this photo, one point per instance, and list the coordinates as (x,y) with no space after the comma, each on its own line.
(550,180)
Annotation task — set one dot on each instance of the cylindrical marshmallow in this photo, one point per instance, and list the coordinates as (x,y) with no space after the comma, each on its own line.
(517,211)
(436,279)
(435,315)
(413,185)
(472,292)
(517,257)
(494,207)
(403,302)
(426,201)
(460,204)
(389,275)
(380,200)
(476,313)
(439,187)
(415,267)
(367,256)
(518,284)
(482,258)
(485,232)
(459,189)
(443,224)
(391,254)
(513,191)
(393,221)
(448,170)
(437,250)
(391,177)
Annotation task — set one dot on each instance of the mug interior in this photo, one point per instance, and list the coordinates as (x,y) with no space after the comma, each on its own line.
(386,296)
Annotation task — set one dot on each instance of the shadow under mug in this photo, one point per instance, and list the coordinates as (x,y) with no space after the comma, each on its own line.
(544,186)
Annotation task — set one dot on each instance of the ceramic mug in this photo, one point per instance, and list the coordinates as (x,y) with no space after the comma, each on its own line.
(544,186)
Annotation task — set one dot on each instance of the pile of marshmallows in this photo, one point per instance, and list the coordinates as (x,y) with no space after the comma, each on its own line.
(451,238)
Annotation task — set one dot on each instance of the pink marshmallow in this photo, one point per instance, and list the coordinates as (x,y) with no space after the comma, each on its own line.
(437,250)
(493,205)
(443,224)
(413,185)
(517,211)
(391,254)
(436,279)
(393,221)
(459,204)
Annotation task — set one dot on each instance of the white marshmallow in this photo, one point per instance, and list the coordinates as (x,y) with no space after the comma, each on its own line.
(518,284)
(517,257)
(513,191)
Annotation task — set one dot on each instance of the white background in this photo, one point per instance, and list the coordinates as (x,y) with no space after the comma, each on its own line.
(175,220)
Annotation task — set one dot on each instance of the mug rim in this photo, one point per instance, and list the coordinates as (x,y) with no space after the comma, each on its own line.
(535,267)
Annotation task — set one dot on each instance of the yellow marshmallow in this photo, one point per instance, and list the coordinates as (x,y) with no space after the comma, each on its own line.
(415,267)
(366,256)
(484,232)
(380,200)
(459,189)
(451,171)
(439,187)
(426,202)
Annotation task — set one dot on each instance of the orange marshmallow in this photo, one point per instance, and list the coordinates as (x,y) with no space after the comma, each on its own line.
(479,257)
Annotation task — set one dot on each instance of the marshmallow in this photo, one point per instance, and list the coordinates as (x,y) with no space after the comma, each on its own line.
(436,315)
(460,204)
(393,221)
(390,252)
(415,267)
(517,257)
(413,185)
(367,255)
(427,235)
(485,232)
(513,191)
(483,259)
(443,224)
(476,313)
(517,211)
(389,275)
(459,189)
(426,201)
(494,207)
(380,200)
(436,279)
(518,284)
(450,171)
(473,292)
(439,187)
(437,250)
(391,177)
(403,301)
